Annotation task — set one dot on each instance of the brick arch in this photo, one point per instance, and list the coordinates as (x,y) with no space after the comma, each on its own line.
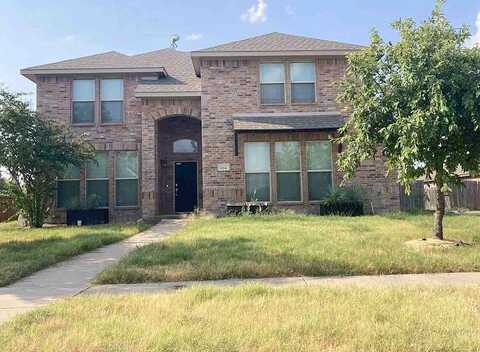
(162,110)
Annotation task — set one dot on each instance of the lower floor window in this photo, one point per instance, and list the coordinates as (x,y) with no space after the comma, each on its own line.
(97,181)
(287,163)
(258,187)
(126,179)
(288,170)
(68,188)
(68,194)
(257,171)
(319,168)
(319,185)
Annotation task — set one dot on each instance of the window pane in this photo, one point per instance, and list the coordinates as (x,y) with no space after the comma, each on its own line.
(111,89)
(319,184)
(303,92)
(97,194)
(287,156)
(319,155)
(127,193)
(112,111)
(257,157)
(98,168)
(272,93)
(127,165)
(185,146)
(303,72)
(83,112)
(272,73)
(288,186)
(72,172)
(258,187)
(68,194)
(83,90)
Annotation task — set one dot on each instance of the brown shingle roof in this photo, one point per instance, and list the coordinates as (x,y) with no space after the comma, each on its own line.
(177,64)
(275,45)
(288,121)
(282,42)
(181,76)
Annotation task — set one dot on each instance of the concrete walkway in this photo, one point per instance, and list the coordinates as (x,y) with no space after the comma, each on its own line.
(447,279)
(73,276)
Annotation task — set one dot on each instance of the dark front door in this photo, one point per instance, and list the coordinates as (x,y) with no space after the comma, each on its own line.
(185,186)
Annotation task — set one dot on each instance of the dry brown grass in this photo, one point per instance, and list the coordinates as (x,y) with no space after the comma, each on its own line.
(256,318)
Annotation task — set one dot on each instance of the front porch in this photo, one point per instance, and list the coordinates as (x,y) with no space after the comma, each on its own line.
(171,156)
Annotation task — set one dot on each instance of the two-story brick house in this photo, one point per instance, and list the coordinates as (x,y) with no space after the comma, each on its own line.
(174,131)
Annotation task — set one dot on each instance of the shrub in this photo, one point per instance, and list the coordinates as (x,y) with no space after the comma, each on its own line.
(347,201)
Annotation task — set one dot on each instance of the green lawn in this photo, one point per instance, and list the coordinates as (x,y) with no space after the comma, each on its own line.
(294,245)
(24,251)
(249,319)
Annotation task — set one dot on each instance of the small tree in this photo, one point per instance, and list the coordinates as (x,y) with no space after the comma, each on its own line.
(35,153)
(418,101)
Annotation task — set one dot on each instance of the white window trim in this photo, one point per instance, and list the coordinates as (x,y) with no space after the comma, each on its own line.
(127,178)
(292,82)
(299,171)
(97,179)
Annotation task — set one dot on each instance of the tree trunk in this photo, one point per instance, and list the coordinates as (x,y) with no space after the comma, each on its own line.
(439,213)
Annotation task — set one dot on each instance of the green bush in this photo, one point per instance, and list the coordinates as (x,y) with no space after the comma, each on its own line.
(347,201)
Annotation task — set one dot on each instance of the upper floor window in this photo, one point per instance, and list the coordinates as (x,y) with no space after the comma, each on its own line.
(302,76)
(111,95)
(83,101)
(185,146)
(272,83)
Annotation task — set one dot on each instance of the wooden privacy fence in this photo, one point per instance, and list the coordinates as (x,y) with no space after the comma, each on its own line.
(466,196)
(413,201)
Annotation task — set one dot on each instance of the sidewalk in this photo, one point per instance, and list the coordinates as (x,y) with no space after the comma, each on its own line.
(442,279)
(73,276)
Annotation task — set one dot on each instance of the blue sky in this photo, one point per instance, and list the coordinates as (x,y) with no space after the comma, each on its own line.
(34,32)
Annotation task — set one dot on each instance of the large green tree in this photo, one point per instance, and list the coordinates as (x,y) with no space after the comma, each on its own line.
(35,152)
(418,102)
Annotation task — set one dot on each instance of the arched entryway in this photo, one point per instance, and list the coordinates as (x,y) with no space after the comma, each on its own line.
(179,143)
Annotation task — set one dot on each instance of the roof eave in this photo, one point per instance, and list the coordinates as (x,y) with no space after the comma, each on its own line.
(197,55)
(32,72)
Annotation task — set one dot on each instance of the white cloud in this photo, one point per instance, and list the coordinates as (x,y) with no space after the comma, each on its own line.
(195,36)
(289,10)
(256,13)
(475,39)
(69,38)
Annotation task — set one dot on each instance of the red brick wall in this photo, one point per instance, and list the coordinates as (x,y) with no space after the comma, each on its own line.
(232,86)
(54,101)
(228,87)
